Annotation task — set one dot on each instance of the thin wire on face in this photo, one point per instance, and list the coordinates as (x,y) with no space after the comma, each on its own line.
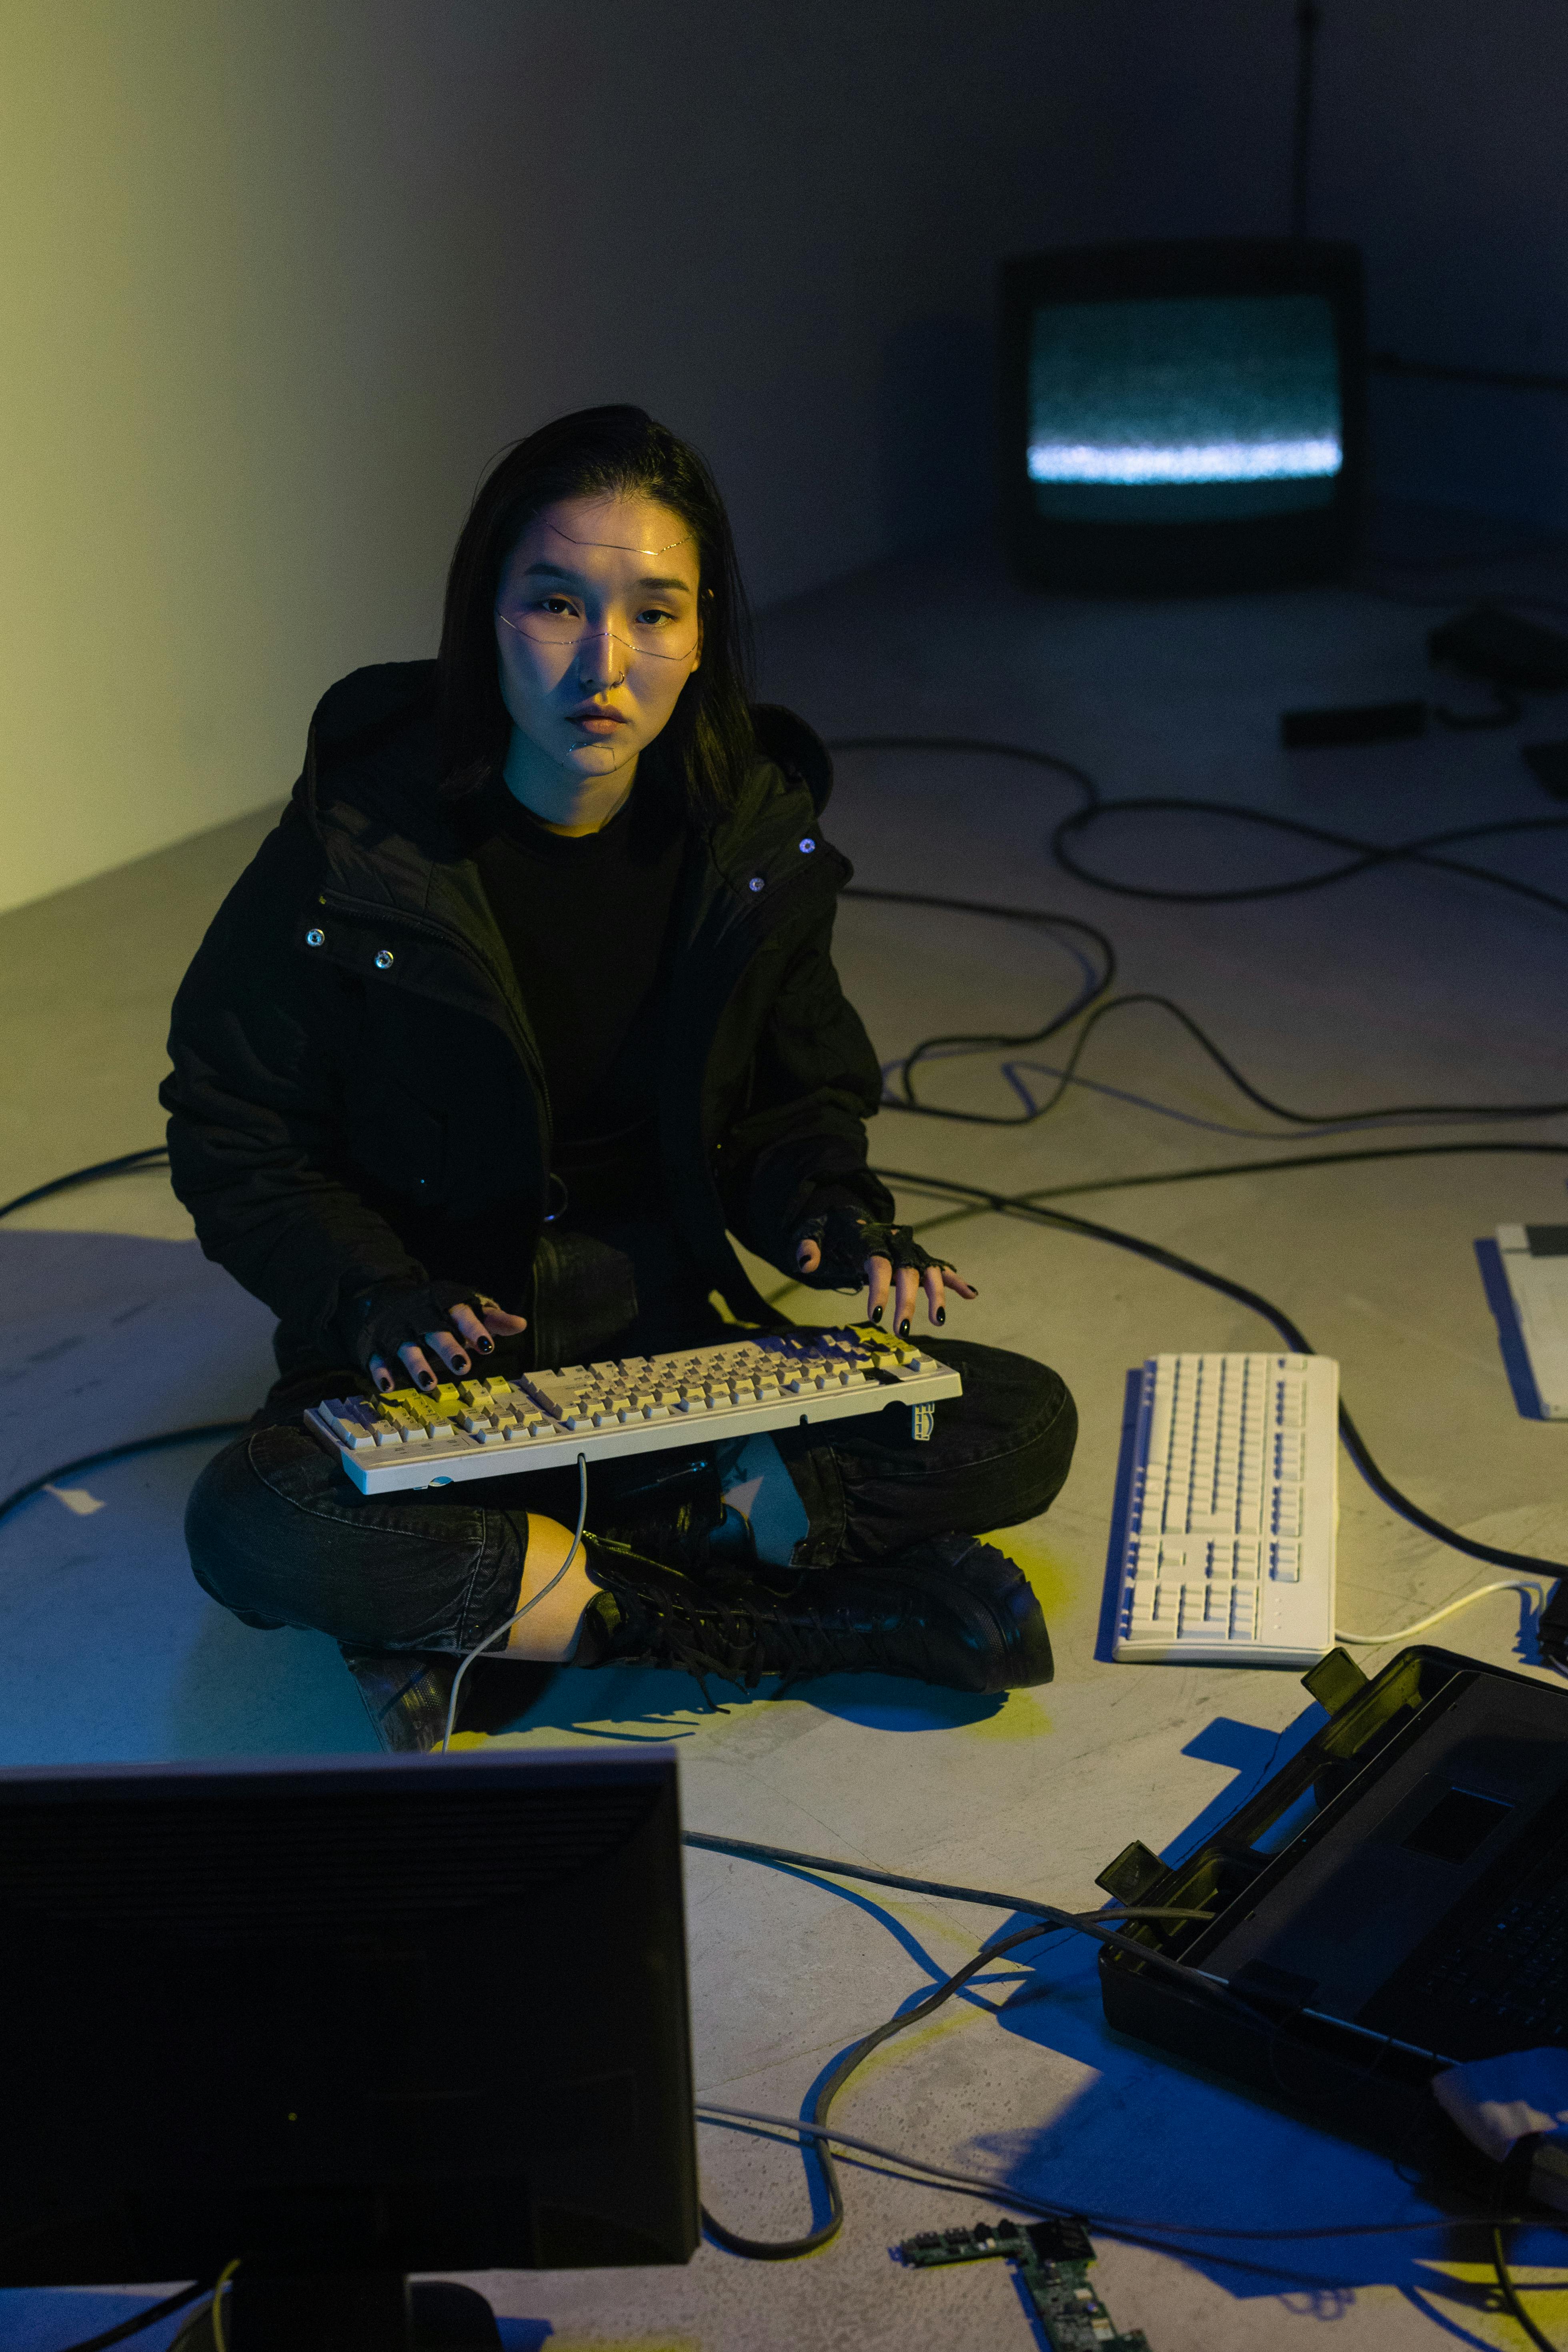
(564,632)
(618,543)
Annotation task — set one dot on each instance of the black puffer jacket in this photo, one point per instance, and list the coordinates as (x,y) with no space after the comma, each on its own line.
(354,1077)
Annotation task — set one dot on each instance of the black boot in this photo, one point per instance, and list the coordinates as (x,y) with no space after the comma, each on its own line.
(951,1610)
(675,1512)
(406,1696)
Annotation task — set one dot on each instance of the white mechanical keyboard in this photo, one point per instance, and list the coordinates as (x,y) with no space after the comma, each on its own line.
(1228,1558)
(485,1428)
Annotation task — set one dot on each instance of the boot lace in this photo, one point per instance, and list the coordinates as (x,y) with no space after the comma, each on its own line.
(743,1641)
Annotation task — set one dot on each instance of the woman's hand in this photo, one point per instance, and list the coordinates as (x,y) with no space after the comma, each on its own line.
(392,1326)
(893,1262)
(472,1335)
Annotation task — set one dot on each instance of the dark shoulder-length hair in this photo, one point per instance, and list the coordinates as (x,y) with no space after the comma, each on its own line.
(615,451)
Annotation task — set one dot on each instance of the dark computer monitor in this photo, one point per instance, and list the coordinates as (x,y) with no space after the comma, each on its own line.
(1182,417)
(343,2019)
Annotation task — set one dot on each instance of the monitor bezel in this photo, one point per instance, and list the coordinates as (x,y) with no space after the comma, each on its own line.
(101,2244)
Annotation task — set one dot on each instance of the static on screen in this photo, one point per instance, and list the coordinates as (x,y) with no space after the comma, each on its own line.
(1177,409)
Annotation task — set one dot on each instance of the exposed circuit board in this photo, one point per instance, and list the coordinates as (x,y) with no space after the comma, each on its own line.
(1053,2259)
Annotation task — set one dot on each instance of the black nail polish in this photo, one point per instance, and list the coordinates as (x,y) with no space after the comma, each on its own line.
(941,1314)
(459,1363)
(485,1346)
(875,1314)
(904,1328)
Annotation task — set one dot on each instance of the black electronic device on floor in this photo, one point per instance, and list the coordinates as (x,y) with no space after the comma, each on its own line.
(1391,1902)
(343,2020)
(1184,416)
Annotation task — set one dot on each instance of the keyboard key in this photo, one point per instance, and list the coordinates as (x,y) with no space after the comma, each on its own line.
(633,1401)
(1236,1485)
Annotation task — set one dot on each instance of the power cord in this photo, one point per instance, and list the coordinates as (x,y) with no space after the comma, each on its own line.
(1423,1624)
(1296,1159)
(148,2318)
(1368,854)
(814,2131)
(19,1495)
(517,1616)
(949,1046)
(1051,1919)
(1015,1204)
(216,2308)
(785,2249)
(1088,1002)
(1552,1635)
(1113,2224)
(1505,2280)
(128,1163)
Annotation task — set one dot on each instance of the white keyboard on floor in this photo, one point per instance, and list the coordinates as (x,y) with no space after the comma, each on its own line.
(1535,1261)
(485,1428)
(1228,1557)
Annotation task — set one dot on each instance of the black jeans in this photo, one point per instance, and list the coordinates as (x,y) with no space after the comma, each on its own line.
(280,1536)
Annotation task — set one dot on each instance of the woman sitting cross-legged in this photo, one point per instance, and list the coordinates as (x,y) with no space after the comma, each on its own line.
(527,1004)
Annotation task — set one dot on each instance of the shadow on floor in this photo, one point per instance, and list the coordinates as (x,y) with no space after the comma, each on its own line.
(1201,2152)
(237,1692)
(651,1703)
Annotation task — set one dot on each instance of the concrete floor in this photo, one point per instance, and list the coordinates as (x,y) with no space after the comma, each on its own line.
(1403,986)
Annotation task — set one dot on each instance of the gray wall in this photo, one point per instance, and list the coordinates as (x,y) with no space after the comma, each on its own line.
(1441,148)
(281,280)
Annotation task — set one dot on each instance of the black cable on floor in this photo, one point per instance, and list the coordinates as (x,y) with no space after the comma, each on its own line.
(1051,1919)
(1505,2280)
(119,1453)
(1015,1204)
(1093,991)
(1052,1913)
(814,2131)
(130,1163)
(1368,854)
(1380,1116)
(785,2249)
(148,2318)
(1033,1207)
(1094,987)
(1296,1159)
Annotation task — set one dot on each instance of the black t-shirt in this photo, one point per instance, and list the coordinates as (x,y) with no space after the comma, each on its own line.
(586,919)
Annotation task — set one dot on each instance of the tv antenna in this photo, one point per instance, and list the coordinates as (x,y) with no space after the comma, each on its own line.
(1308,17)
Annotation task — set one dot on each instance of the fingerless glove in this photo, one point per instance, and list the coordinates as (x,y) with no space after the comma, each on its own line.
(848,1237)
(391,1315)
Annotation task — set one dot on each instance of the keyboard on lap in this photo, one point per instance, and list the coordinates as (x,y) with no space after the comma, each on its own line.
(1228,1552)
(540,1420)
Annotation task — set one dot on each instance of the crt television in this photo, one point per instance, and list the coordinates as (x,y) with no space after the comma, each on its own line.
(344,2020)
(1182,417)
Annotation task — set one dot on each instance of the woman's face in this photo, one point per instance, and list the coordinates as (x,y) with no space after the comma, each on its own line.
(597,630)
